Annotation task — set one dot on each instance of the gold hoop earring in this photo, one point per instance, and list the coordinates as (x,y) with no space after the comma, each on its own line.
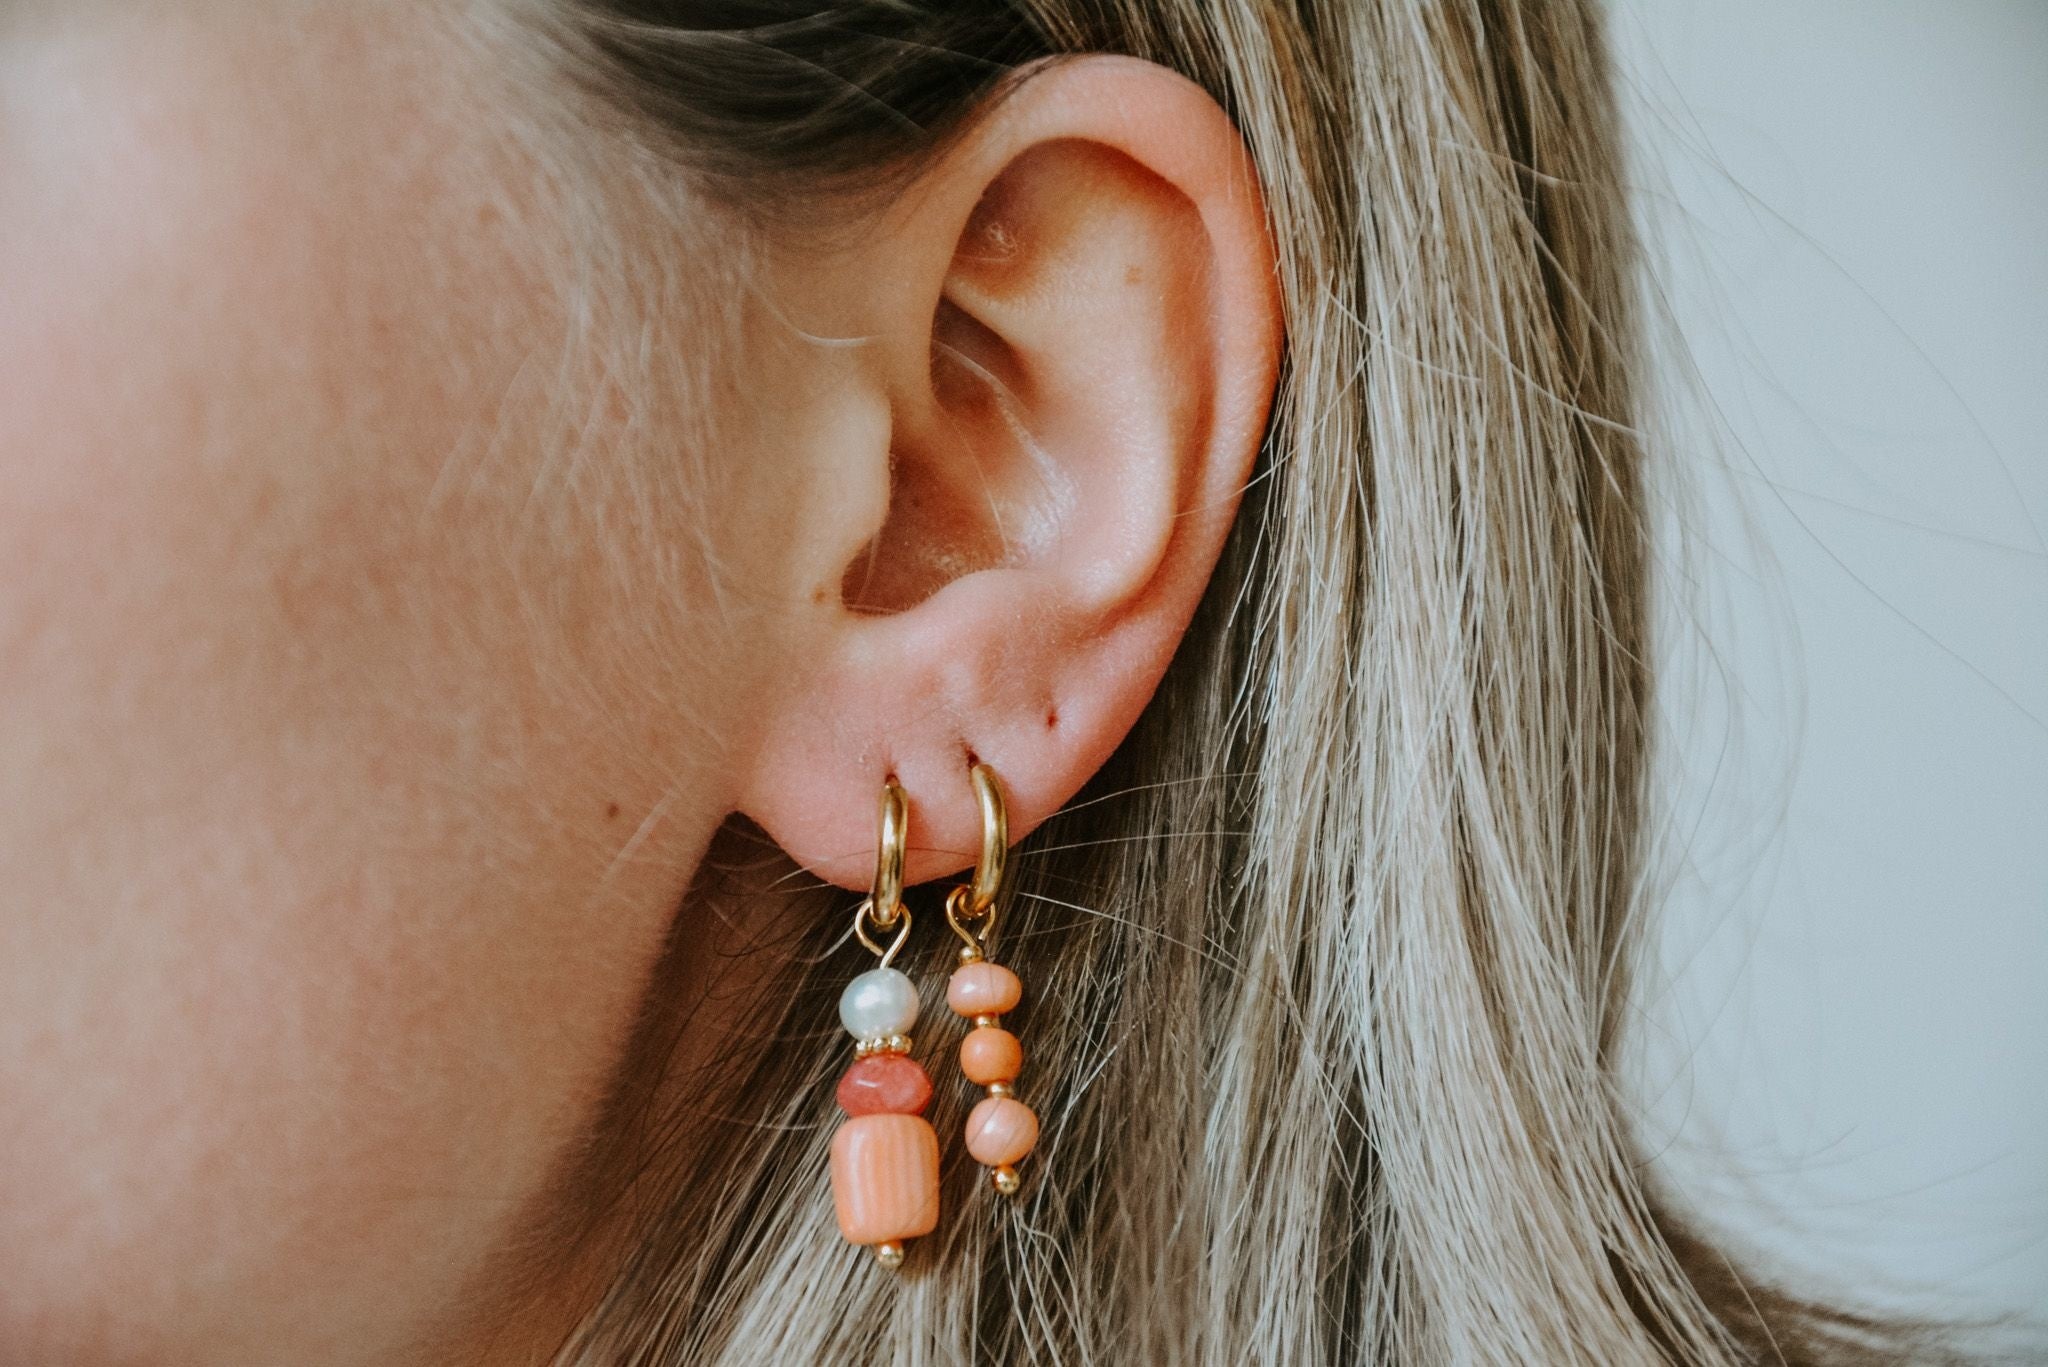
(885,1157)
(1000,1128)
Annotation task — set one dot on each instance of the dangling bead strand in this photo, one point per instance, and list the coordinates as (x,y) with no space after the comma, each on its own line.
(885,1157)
(1000,1128)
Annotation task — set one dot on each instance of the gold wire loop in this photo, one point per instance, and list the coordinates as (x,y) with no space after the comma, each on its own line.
(958,914)
(865,912)
(885,900)
(995,837)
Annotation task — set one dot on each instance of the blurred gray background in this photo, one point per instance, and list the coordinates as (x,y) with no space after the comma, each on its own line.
(1844,1055)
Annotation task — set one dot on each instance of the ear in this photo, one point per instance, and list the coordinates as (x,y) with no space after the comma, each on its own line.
(1071,333)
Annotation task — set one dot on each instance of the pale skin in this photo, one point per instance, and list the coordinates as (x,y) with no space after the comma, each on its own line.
(345,806)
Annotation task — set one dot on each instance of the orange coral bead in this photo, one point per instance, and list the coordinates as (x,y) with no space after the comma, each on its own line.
(990,1055)
(983,989)
(1000,1131)
(885,1084)
(885,1178)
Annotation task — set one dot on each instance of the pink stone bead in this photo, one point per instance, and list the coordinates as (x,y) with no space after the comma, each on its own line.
(990,1055)
(885,1178)
(1000,1131)
(983,989)
(884,1084)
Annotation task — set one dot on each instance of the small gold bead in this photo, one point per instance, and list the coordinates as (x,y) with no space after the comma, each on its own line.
(890,1255)
(970,955)
(862,1048)
(988,1021)
(1000,1089)
(897,1044)
(1006,1180)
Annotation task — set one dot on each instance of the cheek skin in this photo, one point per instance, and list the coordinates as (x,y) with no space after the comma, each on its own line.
(325,894)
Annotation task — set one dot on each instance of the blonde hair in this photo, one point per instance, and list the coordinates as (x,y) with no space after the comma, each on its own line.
(1330,962)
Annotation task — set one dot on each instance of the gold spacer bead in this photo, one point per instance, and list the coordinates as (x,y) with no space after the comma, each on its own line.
(896,1044)
(970,955)
(1006,1180)
(1001,1089)
(862,1048)
(987,1021)
(889,1255)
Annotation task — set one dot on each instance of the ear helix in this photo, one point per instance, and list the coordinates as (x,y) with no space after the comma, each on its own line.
(1000,1128)
(885,1157)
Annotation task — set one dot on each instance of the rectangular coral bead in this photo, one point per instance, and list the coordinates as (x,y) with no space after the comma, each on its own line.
(885,1178)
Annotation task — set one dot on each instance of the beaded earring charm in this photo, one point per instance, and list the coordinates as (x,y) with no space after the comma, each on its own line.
(885,1157)
(1000,1128)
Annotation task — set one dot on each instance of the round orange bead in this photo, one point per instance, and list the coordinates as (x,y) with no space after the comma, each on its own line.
(1000,1131)
(983,989)
(990,1055)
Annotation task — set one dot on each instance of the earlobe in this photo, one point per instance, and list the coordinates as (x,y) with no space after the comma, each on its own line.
(1076,332)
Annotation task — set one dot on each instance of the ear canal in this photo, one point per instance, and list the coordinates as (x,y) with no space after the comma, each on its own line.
(1063,324)
(941,525)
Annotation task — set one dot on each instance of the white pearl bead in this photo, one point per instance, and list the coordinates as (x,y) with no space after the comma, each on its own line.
(881,1001)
